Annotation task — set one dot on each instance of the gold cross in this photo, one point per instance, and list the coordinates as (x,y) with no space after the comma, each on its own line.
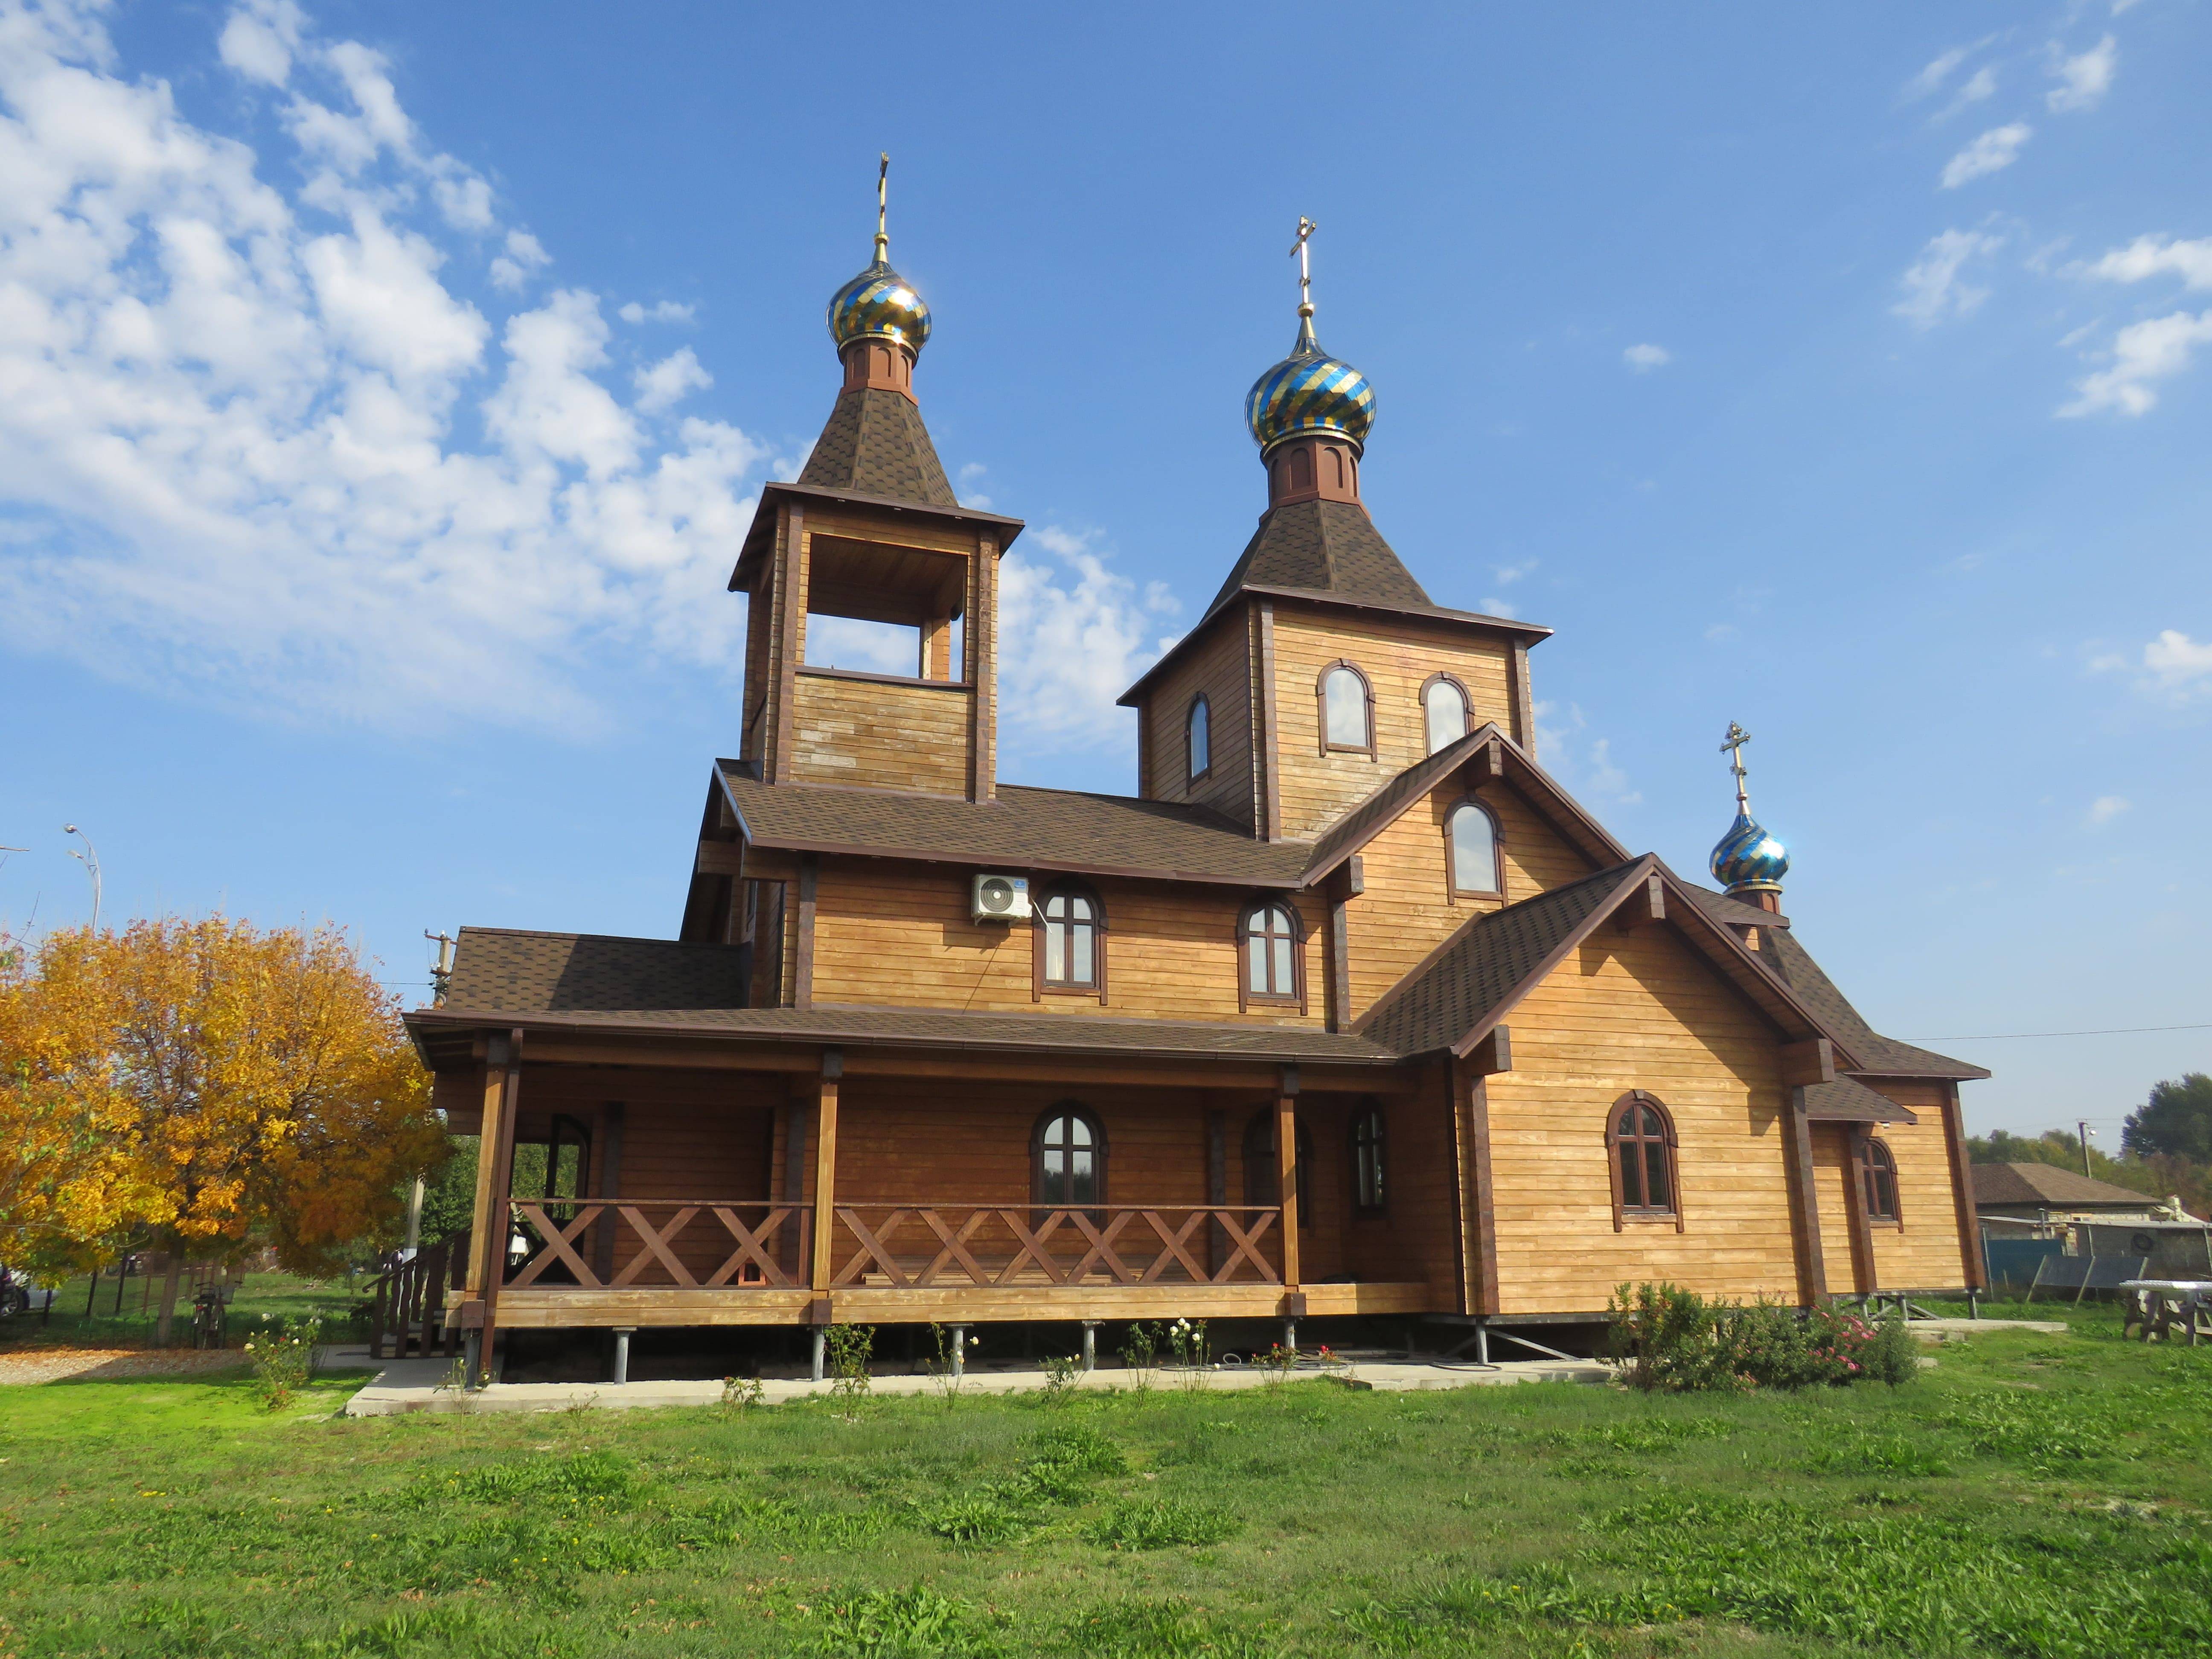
(883,182)
(1733,748)
(1306,228)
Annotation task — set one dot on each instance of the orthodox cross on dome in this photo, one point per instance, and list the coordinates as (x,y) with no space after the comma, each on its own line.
(1306,228)
(1733,748)
(883,187)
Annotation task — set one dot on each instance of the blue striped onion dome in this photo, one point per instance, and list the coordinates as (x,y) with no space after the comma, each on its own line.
(879,304)
(1748,857)
(1309,391)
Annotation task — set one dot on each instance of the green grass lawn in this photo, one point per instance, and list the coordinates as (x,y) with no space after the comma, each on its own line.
(2033,1495)
(280,1296)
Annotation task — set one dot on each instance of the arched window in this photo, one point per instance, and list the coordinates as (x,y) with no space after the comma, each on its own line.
(1444,711)
(1878,1180)
(1367,1160)
(1347,709)
(1072,958)
(1471,848)
(1269,933)
(1640,1142)
(1068,1154)
(1263,1175)
(1198,740)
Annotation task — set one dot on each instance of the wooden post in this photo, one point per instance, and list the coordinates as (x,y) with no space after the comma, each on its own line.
(825,1167)
(980,648)
(1471,1116)
(611,1115)
(1804,1202)
(1217,1185)
(1862,1232)
(497,1222)
(794,1180)
(1962,1198)
(802,957)
(1286,1162)
(791,583)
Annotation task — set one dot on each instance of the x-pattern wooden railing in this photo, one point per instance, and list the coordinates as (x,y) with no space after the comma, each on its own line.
(756,1246)
(1096,1238)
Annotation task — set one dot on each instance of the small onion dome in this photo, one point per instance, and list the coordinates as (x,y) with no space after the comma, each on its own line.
(1748,859)
(879,304)
(1309,391)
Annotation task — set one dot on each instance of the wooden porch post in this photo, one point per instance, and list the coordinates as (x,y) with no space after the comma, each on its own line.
(1804,1201)
(825,1169)
(1217,1185)
(1863,1265)
(503,1074)
(1962,1193)
(611,1115)
(1286,1162)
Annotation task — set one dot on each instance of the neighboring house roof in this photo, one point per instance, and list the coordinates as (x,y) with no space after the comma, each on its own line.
(1025,828)
(1846,1100)
(875,443)
(2050,1187)
(1878,1055)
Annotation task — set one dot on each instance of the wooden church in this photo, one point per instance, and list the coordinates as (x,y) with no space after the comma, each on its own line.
(1349,1010)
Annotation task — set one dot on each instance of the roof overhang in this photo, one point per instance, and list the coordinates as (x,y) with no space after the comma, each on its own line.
(761,535)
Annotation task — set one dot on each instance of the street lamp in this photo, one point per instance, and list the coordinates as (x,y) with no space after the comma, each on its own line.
(90,858)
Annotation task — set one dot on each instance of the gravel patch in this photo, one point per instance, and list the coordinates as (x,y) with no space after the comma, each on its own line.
(52,1364)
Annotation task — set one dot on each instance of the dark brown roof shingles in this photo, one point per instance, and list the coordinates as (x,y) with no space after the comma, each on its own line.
(875,444)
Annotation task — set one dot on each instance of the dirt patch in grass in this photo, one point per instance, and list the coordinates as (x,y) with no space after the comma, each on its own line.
(106,1365)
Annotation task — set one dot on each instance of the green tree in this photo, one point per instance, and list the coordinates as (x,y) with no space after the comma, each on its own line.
(2177,1121)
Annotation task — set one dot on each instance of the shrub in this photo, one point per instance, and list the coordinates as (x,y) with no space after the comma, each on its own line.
(283,1359)
(1673,1340)
(849,1349)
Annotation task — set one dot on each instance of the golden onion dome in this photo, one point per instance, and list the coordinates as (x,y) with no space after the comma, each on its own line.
(1308,392)
(879,304)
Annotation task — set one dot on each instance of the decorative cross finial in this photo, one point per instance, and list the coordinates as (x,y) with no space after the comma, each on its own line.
(1306,228)
(1733,748)
(882,235)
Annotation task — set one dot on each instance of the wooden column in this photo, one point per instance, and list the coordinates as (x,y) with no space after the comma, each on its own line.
(1348,886)
(825,1168)
(1525,710)
(1864,1277)
(493,1085)
(1217,1185)
(790,637)
(1267,799)
(495,1183)
(1962,1193)
(1286,1164)
(1804,1202)
(611,1117)
(1479,1210)
(793,1179)
(981,653)
(802,957)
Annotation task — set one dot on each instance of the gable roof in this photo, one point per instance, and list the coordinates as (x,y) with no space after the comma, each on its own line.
(1846,1100)
(1025,829)
(1878,1055)
(875,443)
(2050,1186)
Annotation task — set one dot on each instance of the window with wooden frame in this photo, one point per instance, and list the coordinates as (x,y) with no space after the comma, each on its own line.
(1877,1181)
(1447,715)
(1198,740)
(1347,709)
(1471,852)
(1640,1145)
(1270,967)
(1067,1156)
(1263,1175)
(1367,1182)
(1070,951)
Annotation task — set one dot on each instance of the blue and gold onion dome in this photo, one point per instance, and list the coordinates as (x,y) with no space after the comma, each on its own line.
(1748,857)
(1309,391)
(879,304)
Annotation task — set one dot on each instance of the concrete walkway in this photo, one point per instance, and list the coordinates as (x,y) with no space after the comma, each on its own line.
(413,1385)
(1941,1329)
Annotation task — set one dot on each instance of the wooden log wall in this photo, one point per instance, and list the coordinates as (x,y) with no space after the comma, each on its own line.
(1398,657)
(1407,908)
(1638,1011)
(887,932)
(1220,668)
(880,735)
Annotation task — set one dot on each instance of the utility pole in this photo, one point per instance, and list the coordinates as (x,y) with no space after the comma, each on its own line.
(2082,1125)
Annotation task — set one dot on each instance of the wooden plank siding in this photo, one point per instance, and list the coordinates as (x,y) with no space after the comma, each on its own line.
(1397,657)
(1831,1181)
(1407,908)
(1923,1252)
(891,934)
(881,735)
(1638,1011)
(1220,668)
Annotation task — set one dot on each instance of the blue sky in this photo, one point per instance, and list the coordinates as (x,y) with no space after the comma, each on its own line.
(383,389)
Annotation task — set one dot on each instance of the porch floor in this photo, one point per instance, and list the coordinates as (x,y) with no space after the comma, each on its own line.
(413,1385)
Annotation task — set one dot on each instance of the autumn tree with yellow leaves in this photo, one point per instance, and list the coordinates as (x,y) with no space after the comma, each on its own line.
(204,1088)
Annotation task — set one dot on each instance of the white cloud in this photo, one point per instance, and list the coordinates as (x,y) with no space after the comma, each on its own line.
(666,311)
(1072,633)
(2084,80)
(2105,808)
(1583,762)
(1937,71)
(668,382)
(1642,359)
(850,642)
(230,458)
(1934,285)
(524,255)
(1979,88)
(972,474)
(1993,151)
(1513,572)
(2142,352)
(2177,663)
(1494,606)
(2152,255)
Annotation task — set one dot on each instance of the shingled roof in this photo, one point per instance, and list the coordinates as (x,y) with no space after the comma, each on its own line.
(875,444)
(1845,1100)
(1878,1055)
(505,967)
(1025,828)
(2050,1186)
(1328,546)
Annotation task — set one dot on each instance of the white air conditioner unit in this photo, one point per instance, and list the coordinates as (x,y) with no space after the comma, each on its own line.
(1000,898)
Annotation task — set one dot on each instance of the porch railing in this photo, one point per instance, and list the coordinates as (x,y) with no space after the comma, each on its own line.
(721,1243)
(409,1301)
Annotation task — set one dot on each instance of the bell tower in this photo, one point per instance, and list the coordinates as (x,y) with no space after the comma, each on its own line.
(871,530)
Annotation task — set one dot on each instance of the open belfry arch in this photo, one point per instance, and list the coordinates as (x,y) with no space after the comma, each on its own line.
(1350,1009)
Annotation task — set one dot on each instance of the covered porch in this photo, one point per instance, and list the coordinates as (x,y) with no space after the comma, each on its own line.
(695,1183)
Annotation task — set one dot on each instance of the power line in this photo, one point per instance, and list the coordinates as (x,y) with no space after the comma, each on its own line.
(2009,1037)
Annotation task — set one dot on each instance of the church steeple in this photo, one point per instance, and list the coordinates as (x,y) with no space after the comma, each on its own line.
(1748,860)
(875,442)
